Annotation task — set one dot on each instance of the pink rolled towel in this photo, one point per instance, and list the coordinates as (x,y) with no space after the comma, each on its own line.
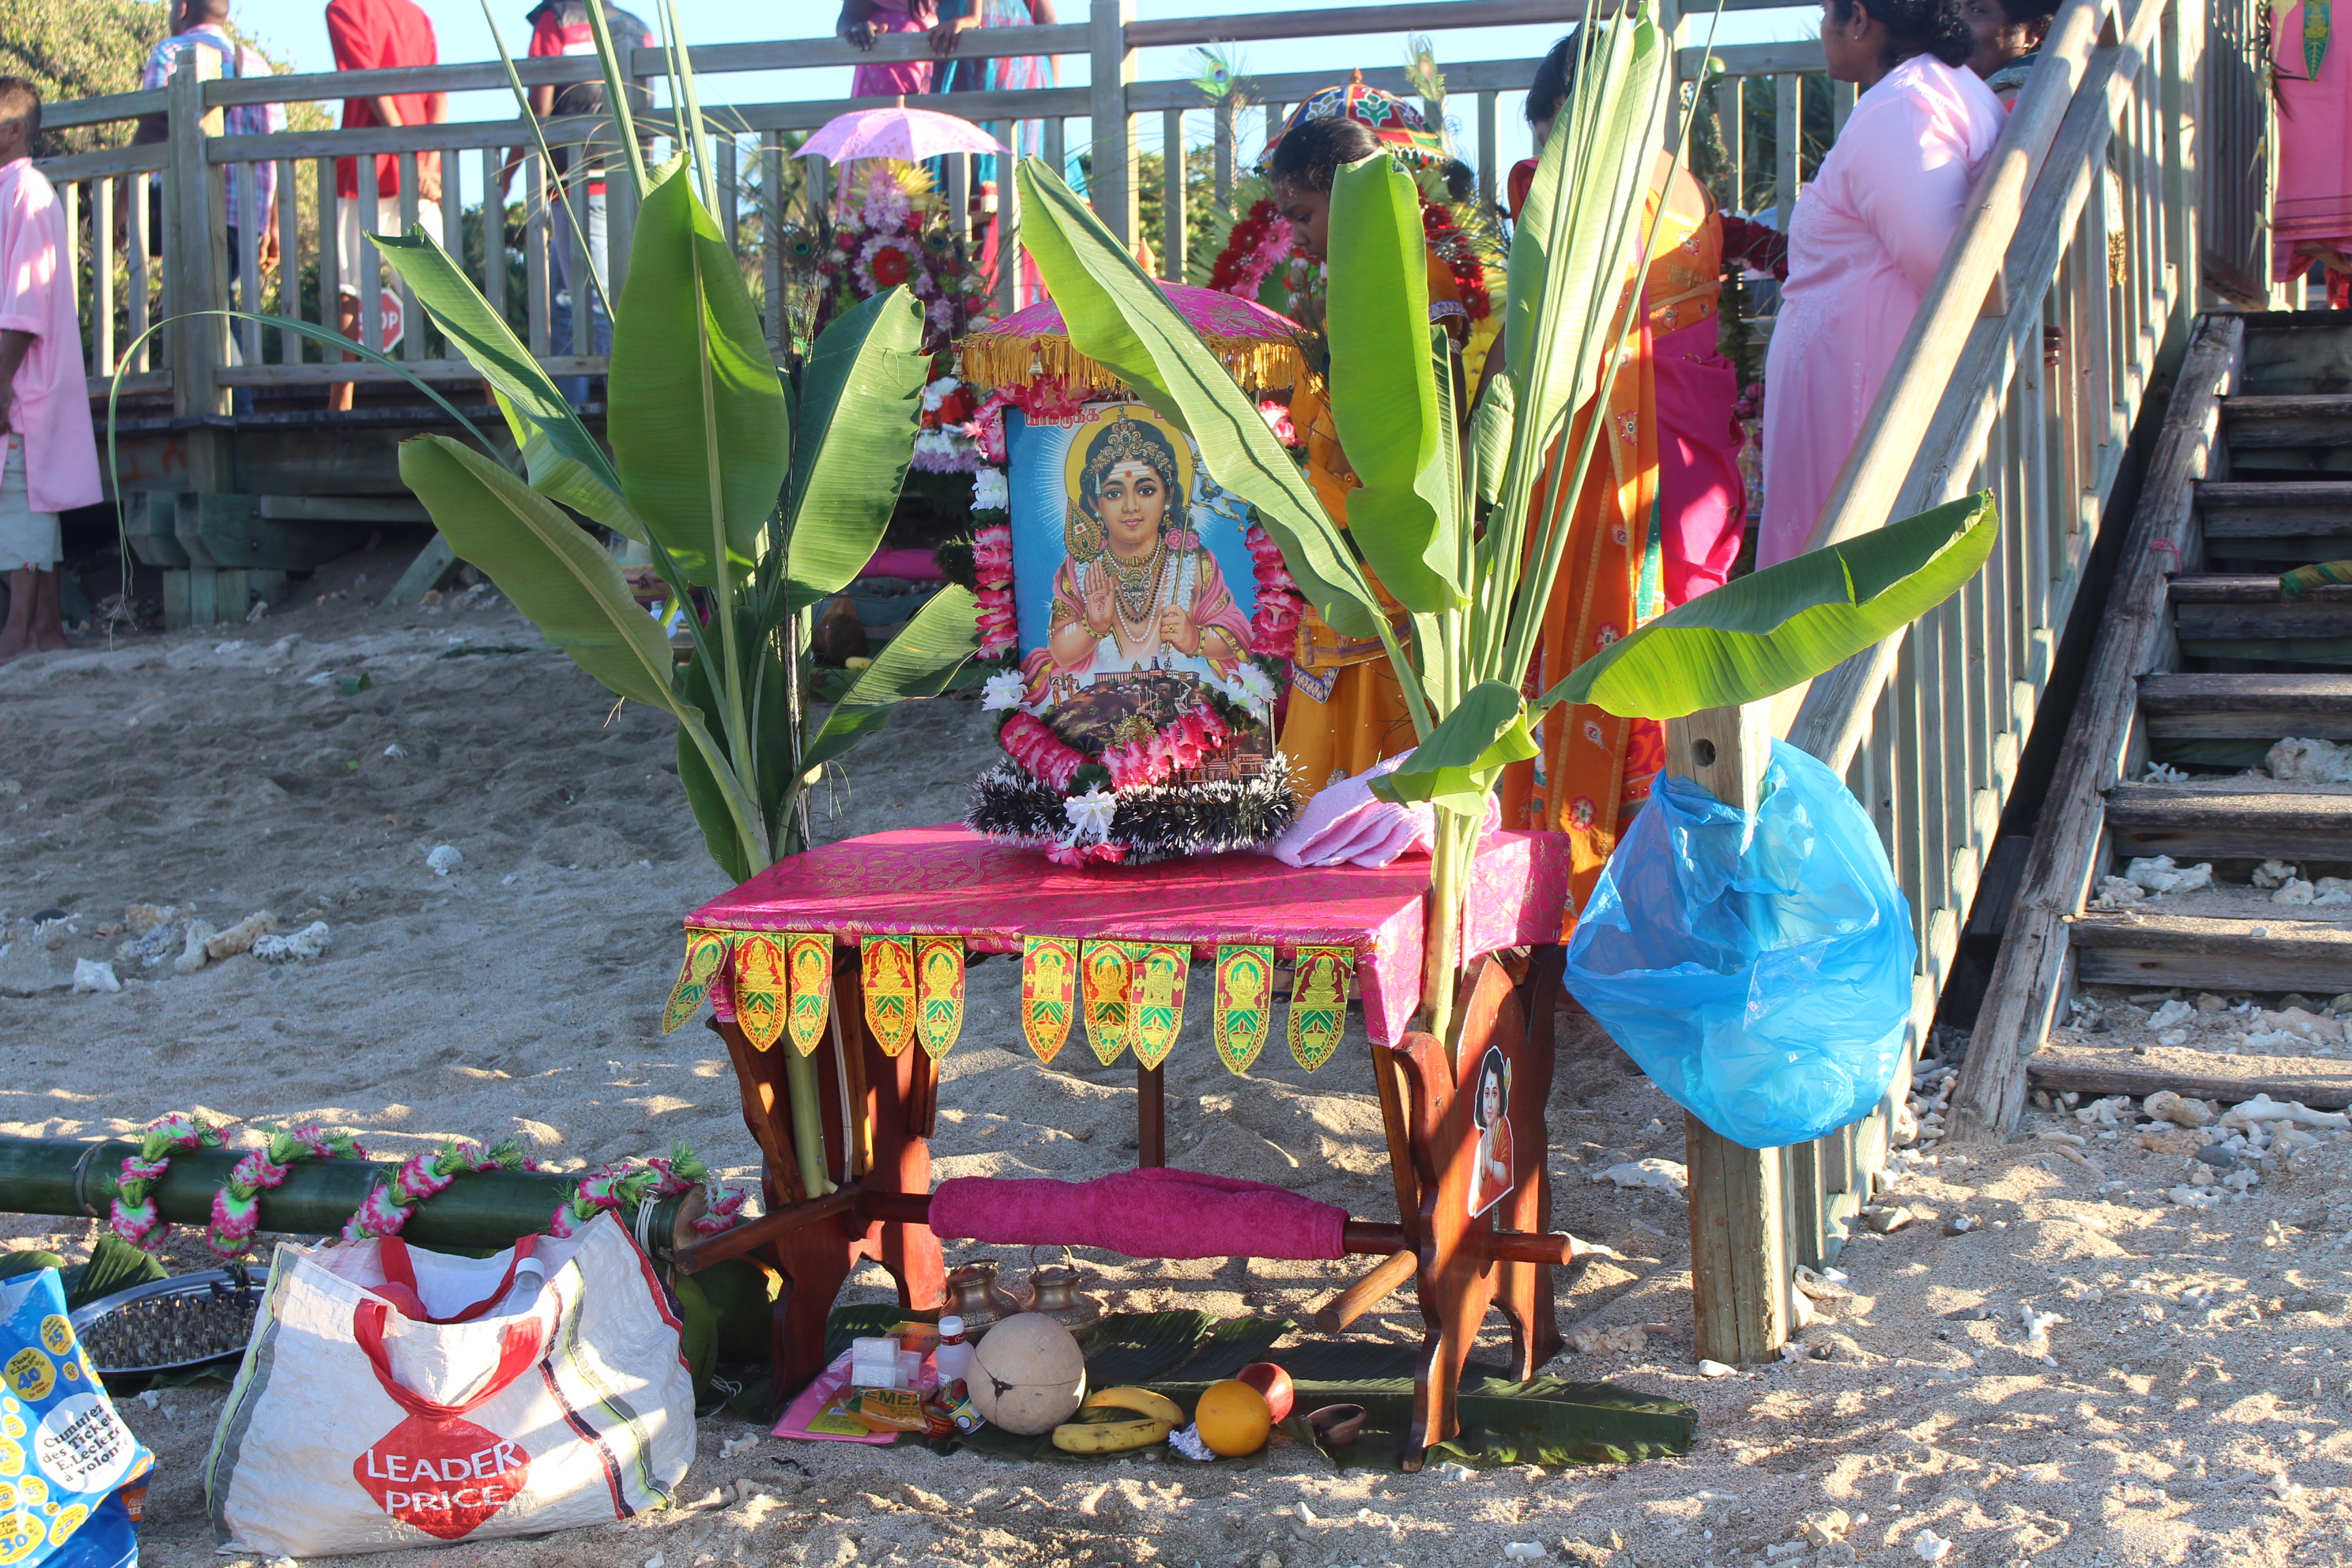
(1347,824)
(1153,1212)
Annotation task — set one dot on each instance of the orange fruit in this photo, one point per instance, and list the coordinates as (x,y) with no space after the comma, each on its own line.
(1233,1418)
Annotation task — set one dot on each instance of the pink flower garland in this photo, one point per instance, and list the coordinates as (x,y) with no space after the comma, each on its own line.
(237,1207)
(617,1187)
(133,1212)
(1194,735)
(1274,625)
(991,564)
(422,1176)
(1078,856)
(1041,753)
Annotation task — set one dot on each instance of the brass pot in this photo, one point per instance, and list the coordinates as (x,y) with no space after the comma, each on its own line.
(974,1296)
(1055,1291)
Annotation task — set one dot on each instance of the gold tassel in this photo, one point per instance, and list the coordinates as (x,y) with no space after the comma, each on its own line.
(1002,363)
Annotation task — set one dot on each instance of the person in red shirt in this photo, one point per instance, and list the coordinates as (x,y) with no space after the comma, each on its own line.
(378,34)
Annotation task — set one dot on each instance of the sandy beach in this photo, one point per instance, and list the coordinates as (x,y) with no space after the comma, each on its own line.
(2184,1401)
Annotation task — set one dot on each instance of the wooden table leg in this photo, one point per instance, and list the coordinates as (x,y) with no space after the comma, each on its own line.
(895,1091)
(1524,1290)
(1397,1124)
(1457,1282)
(1151,1114)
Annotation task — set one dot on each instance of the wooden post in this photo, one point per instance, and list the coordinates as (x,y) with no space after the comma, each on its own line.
(195,254)
(1112,184)
(1788,139)
(1739,1250)
(1151,1114)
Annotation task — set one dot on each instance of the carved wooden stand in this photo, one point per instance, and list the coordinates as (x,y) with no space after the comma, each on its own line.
(1460,1264)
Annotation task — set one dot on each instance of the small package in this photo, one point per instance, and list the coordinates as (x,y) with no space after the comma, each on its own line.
(874,1363)
(888,1410)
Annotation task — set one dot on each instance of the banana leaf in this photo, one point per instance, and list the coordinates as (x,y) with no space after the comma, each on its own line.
(706,797)
(1118,317)
(562,458)
(558,578)
(695,408)
(1454,766)
(919,662)
(1383,394)
(869,362)
(1774,629)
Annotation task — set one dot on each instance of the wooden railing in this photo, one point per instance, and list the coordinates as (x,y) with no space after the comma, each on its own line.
(2132,152)
(115,197)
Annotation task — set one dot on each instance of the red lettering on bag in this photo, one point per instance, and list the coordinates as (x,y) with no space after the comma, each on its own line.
(418,1450)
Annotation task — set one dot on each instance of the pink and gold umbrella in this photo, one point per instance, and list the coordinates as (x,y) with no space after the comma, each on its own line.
(908,135)
(1259,346)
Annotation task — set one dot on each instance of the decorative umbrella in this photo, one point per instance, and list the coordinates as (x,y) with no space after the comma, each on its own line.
(1259,346)
(911,134)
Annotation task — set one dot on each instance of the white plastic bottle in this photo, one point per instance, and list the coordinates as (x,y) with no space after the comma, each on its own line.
(530,1275)
(953,1358)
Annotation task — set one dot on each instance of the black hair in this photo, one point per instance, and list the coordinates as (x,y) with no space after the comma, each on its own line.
(1310,153)
(20,98)
(2025,13)
(1490,1069)
(1916,27)
(1555,79)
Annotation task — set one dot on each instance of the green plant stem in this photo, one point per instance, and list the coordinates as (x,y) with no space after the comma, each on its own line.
(808,1132)
(1456,841)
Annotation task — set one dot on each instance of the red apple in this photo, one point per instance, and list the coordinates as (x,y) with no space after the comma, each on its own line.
(1273,1383)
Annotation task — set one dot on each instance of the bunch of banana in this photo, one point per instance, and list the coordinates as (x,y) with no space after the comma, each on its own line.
(1115,1420)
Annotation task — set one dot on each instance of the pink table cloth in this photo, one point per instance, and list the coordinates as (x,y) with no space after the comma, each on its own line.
(948,881)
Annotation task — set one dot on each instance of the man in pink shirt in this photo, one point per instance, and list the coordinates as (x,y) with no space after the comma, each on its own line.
(50,453)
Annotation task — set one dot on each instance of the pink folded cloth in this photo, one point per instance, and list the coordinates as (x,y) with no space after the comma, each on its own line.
(1153,1212)
(1347,824)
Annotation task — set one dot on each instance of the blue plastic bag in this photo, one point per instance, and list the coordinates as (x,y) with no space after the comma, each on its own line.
(65,1459)
(1763,982)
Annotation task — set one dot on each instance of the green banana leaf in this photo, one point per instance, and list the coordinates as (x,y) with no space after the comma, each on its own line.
(558,577)
(1774,629)
(919,662)
(1118,317)
(705,794)
(562,458)
(1490,437)
(1577,232)
(1455,764)
(870,362)
(1383,394)
(696,411)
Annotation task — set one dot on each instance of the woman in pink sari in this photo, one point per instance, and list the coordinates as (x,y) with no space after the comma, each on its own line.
(1866,241)
(2313,222)
(862,21)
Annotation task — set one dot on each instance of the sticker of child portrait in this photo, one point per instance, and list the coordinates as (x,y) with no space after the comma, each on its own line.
(1139,615)
(1494,1177)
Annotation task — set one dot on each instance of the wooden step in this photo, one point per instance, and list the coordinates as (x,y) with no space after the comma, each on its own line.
(2233,509)
(2230,819)
(2295,421)
(2087,1069)
(2159,950)
(2248,707)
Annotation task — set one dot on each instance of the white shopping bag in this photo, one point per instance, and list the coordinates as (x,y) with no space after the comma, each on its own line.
(393,1397)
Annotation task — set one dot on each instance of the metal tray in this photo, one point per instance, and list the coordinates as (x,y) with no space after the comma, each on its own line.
(156,1297)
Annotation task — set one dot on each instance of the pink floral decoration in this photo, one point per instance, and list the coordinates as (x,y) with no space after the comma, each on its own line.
(1273,627)
(1041,753)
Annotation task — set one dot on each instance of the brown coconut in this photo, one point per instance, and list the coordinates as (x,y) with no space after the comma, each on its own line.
(1028,1375)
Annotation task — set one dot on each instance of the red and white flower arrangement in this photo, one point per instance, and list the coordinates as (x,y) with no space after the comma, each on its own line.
(1194,736)
(1260,242)
(1274,625)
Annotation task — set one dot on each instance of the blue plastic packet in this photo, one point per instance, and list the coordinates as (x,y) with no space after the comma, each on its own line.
(1762,978)
(71,1475)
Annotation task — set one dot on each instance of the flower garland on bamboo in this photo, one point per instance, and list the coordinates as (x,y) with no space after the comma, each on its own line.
(237,1207)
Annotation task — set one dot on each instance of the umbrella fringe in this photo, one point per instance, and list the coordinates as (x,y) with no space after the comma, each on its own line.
(1002,362)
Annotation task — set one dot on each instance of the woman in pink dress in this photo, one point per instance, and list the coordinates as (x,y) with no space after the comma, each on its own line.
(862,21)
(1866,241)
(2313,222)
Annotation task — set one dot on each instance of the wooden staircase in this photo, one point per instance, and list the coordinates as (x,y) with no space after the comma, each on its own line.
(2201,665)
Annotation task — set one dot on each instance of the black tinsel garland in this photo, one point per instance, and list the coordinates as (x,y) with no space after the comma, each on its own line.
(1161,822)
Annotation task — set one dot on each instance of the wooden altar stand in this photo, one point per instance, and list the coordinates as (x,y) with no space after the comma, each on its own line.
(877,1112)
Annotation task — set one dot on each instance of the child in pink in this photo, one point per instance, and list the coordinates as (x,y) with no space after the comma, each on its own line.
(1864,242)
(50,454)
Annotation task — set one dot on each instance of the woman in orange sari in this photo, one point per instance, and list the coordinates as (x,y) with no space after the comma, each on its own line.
(1346,710)
(1658,520)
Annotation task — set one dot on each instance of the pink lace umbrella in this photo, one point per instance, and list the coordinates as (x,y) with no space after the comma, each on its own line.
(911,134)
(1259,346)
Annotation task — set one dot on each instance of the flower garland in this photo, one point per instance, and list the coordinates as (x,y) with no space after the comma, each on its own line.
(1274,625)
(1193,735)
(897,235)
(992,568)
(1041,753)
(132,1213)
(1258,244)
(237,1207)
(1461,257)
(945,436)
